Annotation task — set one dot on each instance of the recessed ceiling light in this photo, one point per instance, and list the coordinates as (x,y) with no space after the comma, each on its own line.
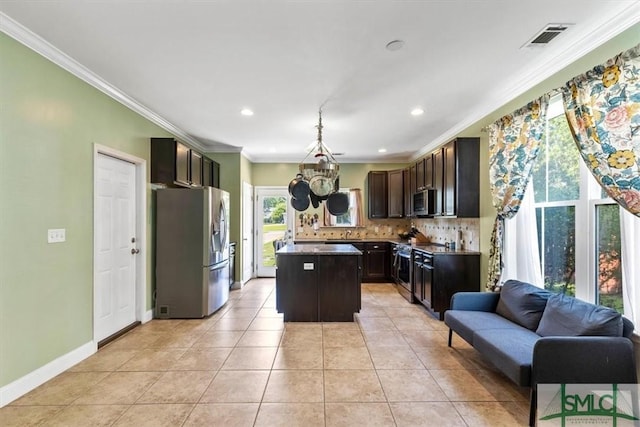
(417,111)
(394,45)
(382,150)
(246,112)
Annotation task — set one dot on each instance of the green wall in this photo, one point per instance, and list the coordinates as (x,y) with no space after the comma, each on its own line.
(49,122)
(246,170)
(352,175)
(231,172)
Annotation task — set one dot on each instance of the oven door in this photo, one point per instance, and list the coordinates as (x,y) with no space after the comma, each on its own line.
(394,264)
(403,269)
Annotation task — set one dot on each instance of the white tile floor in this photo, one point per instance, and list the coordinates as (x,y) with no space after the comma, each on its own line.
(244,367)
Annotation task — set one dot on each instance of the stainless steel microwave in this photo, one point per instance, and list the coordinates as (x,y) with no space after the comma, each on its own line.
(424,203)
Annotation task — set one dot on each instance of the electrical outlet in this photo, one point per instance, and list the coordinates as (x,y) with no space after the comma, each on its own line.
(56,235)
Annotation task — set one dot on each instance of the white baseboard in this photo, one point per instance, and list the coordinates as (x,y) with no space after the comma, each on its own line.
(25,384)
(148,316)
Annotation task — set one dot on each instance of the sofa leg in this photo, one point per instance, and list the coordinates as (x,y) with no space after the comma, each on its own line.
(450,337)
(532,408)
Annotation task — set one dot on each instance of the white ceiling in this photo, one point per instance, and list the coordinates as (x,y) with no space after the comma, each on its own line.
(193,65)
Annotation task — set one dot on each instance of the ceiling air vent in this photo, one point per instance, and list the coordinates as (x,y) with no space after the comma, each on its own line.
(548,33)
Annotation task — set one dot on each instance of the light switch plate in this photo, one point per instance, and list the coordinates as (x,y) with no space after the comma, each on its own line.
(56,235)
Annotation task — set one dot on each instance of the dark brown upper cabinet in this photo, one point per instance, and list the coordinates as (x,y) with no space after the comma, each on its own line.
(456,178)
(420,177)
(207,172)
(412,179)
(438,171)
(182,162)
(378,194)
(396,193)
(408,195)
(196,168)
(215,174)
(428,172)
(175,164)
(424,173)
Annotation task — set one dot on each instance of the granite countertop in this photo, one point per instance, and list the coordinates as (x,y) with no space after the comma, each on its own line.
(434,248)
(441,249)
(342,241)
(319,249)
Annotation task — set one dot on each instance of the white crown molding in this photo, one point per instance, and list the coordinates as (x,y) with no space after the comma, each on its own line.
(224,149)
(619,23)
(248,156)
(36,43)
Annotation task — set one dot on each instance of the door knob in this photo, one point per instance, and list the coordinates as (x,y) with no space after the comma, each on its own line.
(135,251)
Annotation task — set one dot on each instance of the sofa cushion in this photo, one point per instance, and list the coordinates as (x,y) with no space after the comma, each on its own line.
(522,303)
(466,323)
(568,316)
(511,352)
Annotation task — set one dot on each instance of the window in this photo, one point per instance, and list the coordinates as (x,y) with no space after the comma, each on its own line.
(608,250)
(578,226)
(556,243)
(352,217)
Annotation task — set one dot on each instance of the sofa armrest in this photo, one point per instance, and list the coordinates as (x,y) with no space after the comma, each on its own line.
(583,360)
(475,301)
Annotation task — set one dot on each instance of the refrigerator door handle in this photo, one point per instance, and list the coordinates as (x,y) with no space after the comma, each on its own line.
(219,265)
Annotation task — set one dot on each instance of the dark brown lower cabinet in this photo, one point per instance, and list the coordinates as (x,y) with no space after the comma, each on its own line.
(375,262)
(437,276)
(338,288)
(297,288)
(318,288)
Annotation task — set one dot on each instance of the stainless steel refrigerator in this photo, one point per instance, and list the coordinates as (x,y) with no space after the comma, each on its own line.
(192,251)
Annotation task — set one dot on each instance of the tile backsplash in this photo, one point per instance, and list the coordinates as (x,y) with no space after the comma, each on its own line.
(442,230)
(438,230)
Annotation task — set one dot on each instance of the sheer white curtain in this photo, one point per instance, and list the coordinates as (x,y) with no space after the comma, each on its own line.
(630,238)
(521,256)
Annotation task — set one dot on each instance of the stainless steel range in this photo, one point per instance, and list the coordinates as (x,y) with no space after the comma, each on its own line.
(402,270)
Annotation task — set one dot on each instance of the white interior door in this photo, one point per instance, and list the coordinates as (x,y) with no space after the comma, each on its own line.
(247,232)
(274,217)
(115,234)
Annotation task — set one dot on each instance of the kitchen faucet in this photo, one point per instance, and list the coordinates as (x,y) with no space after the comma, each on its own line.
(347,234)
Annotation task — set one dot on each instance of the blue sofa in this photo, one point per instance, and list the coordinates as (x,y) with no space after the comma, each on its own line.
(537,337)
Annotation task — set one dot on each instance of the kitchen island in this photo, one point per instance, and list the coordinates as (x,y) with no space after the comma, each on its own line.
(318,282)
